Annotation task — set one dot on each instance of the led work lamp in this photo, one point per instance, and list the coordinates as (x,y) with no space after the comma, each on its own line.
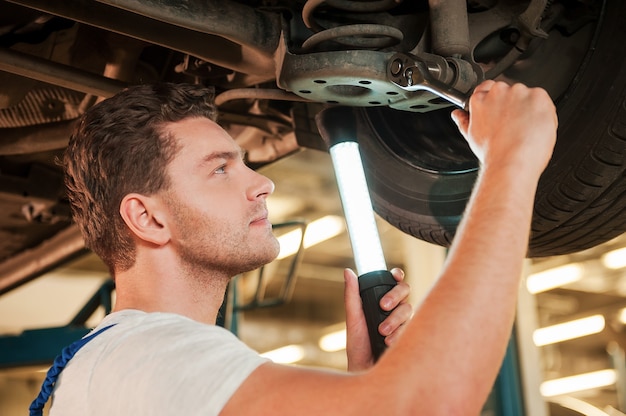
(337,126)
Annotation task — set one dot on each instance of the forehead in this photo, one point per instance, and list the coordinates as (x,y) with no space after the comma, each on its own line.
(197,137)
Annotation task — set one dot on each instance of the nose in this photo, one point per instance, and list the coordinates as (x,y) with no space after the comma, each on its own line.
(260,186)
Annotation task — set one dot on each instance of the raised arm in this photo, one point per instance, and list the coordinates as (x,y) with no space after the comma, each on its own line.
(448,357)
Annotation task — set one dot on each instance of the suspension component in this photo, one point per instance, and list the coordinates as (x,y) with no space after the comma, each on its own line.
(344,61)
(346,64)
(449,28)
(355,36)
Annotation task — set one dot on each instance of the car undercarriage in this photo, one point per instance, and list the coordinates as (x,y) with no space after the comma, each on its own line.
(275,64)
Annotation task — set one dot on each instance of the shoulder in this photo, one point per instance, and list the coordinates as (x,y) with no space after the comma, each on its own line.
(164,332)
(160,361)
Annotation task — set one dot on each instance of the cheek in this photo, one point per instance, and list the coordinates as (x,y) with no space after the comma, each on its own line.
(216,213)
(221,223)
(214,204)
(224,213)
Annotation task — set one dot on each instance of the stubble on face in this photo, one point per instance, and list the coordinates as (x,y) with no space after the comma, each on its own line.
(208,245)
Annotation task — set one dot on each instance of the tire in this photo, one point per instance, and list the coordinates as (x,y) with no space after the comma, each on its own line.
(421,172)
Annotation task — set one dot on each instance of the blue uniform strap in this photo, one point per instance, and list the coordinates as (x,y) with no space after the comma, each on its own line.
(36,407)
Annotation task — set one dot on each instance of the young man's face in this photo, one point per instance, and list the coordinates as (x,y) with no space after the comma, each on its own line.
(217,204)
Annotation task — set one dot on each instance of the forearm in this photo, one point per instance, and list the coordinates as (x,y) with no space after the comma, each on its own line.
(472,306)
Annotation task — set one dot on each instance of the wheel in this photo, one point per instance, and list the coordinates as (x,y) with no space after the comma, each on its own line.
(421,172)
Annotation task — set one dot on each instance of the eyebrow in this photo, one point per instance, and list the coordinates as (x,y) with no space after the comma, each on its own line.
(222,155)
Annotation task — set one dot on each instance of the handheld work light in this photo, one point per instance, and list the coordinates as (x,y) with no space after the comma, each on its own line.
(337,126)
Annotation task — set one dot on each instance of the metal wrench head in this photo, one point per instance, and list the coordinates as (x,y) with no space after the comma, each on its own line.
(413,75)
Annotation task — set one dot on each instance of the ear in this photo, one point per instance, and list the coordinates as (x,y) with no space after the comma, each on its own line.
(144,218)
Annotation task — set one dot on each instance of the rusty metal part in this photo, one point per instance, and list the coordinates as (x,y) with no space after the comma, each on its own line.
(361,78)
(353,35)
(40,138)
(353,77)
(530,20)
(449,28)
(211,30)
(530,26)
(29,264)
(42,104)
(216,17)
(257,94)
(34,67)
(346,5)
(371,36)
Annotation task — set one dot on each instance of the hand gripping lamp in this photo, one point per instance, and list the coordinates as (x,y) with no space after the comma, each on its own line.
(337,126)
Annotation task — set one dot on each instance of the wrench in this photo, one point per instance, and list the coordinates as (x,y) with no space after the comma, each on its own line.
(411,74)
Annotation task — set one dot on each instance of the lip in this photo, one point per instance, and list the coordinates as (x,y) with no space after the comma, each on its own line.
(261,219)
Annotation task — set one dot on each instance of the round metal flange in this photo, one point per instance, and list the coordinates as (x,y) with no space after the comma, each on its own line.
(354,78)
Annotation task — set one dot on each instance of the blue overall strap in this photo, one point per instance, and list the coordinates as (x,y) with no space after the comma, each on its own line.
(36,407)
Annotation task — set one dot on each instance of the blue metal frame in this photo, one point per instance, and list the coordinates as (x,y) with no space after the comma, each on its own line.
(41,346)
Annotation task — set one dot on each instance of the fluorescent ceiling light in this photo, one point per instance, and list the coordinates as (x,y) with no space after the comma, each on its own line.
(334,341)
(579,406)
(587,381)
(289,243)
(615,259)
(288,354)
(569,330)
(316,232)
(556,277)
(622,316)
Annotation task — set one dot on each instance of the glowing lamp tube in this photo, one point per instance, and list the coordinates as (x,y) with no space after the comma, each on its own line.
(357,207)
(336,124)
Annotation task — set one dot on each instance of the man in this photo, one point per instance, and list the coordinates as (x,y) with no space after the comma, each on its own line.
(162,195)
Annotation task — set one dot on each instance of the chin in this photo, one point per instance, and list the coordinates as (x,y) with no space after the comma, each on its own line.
(264,258)
(271,257)
(273,248)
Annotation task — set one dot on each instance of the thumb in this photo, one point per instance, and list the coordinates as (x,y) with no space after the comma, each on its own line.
(352,299)
(358,347)
(461,119)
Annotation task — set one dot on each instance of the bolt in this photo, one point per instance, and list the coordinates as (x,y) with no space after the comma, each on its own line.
(409,77)
(396,67)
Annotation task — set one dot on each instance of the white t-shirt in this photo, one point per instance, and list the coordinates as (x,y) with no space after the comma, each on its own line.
(153,364)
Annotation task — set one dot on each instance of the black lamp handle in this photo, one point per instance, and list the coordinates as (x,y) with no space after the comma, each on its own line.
(372,287)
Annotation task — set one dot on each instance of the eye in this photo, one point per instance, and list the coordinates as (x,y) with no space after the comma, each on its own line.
(220,170)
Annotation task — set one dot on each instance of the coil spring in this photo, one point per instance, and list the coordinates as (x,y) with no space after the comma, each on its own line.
(359,36)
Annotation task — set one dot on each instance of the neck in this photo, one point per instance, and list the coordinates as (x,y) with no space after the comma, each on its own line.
(157,284)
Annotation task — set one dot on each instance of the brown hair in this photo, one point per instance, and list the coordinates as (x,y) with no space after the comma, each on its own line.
(119,147)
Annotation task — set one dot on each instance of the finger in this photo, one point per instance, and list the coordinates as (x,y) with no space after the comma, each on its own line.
(397,295)
(357,341)
(484,86)
(397,274)
(481,91)
(395,320)
(392,298)
(394,336)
